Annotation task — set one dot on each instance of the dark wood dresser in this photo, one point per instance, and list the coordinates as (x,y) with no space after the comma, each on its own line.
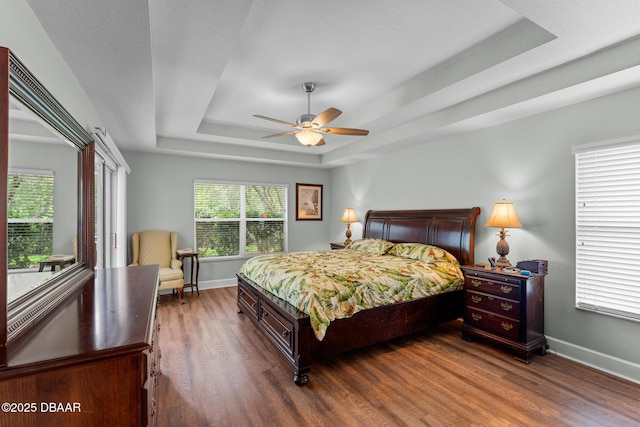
(92,362)
(506,308)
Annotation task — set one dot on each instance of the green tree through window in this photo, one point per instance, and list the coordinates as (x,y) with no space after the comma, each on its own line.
(30,218)
(239,219)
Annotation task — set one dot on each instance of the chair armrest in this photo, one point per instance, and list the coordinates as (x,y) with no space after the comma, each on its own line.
(176,264)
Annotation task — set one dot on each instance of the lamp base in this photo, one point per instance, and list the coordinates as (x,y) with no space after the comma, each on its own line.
(348,234)
(502,262)
(503,249)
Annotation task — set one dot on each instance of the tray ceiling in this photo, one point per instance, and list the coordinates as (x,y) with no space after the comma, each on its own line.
(187,77)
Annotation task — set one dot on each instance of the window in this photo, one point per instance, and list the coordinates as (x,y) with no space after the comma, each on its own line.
(237,220)
(608,229)
(30,218)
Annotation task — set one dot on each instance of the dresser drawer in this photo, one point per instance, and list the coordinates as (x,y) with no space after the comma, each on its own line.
(279,329)
(498,305)
(501,325)
(507,289)
(248,303)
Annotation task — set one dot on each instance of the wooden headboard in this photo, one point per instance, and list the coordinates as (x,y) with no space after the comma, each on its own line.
(450,229)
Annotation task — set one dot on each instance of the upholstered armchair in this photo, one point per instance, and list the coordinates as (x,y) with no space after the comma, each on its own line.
(159,247)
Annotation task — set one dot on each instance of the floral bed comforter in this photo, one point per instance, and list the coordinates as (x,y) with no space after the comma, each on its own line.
(329,285)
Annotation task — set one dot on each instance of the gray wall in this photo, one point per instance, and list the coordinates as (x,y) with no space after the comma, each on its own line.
(529,162)
(160,196)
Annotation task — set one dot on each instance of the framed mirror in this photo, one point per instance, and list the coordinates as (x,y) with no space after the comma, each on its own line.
(47,160)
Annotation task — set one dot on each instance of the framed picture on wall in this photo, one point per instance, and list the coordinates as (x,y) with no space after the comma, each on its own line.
(308,202)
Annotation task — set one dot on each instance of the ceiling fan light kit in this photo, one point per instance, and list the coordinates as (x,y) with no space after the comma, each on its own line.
(311,127)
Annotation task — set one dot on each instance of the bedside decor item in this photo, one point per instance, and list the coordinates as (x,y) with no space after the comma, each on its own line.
(503,216)
(308,202)
(349,216)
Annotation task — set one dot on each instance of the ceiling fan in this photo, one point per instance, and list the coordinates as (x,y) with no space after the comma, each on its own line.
(310,128)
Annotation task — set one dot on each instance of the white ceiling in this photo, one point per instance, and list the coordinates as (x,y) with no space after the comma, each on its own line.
(187,76)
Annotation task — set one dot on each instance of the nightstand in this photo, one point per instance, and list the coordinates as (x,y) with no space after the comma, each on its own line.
(337,245)
(506,308)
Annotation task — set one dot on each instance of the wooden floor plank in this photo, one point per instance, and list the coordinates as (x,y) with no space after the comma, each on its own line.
(219,370)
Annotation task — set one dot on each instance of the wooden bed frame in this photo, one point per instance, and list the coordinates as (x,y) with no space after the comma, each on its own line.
(290,329)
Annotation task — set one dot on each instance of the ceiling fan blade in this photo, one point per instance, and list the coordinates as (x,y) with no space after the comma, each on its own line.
(282,122)
(327,116)
(345,131)
(275,135)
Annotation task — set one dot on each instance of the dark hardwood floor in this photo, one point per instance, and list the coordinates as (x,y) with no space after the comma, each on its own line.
(218,370)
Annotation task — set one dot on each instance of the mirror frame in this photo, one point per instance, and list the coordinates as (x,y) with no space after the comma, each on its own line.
(17,317)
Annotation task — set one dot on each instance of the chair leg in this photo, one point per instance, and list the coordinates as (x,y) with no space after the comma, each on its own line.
(181,292)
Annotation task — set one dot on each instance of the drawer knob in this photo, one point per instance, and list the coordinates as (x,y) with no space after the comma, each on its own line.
(506,326)
(506,289)
(476,316)
(506,306)
(476,298)
(285,334)
(476,282)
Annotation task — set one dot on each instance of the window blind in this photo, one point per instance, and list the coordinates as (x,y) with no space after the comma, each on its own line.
(239,219)
(608,230)
(30,218)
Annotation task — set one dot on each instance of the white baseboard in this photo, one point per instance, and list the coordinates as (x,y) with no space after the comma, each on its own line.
(207,284)
(603,362)
(221,283)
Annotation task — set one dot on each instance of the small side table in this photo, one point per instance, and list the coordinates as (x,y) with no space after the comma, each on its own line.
(195,261)
(57,260)
(337,245)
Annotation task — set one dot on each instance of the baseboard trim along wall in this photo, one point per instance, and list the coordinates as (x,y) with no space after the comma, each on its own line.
(207,284)
(220,283)
(603,362)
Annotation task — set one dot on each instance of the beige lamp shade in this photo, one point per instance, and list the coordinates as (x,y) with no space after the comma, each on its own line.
(503,216)
(349,215)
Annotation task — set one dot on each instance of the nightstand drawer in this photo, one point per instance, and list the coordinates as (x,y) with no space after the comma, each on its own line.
(507,289)
(497,305)
(504,326)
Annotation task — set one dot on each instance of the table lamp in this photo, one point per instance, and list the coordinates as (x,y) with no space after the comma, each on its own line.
(503,216)
(349,216)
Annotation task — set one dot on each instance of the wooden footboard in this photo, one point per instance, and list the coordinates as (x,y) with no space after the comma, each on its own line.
(288,328)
